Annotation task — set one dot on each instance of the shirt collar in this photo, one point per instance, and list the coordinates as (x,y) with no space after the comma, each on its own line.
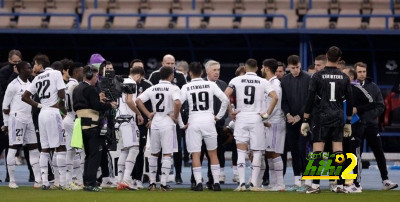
(72,79)
(48,68)
(199,79)
(164,81)
(251,73)
(272,78)
(20,81)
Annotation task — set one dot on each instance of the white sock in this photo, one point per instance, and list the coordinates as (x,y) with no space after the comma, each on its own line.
(153,169)
(308,182)
(278,167)
(34,160)
(297,181)
(256,164)
(77,171)
(70,166)
(272,178)
(235,171)
(11,163)
(55,169)
(165,169)
(241,165)
(215,171)
(262,171)
(221,171)
(197,174)
(82,166)
(61,164)
(130,163)
(315,186)
(43,162)
(121,165)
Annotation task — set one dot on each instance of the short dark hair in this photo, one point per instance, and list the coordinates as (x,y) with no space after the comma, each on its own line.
(14,52)
(360,64)
(137,70)
(74,66)
(240,70)
(42,59)
(134,61)
(342,62)
(311,67)
(293,60)
(252,63)
(57,65)
(321,57)
(195,68)
(334,53)
(271,63)
(21,65)
(67,63)
(352,71)
(281,64)
(88,68)
(165,72)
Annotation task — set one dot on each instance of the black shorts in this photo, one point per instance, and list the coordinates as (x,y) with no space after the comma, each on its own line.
(323,134)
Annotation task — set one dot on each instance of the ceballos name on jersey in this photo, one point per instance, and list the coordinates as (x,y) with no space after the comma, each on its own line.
(198,87)
(43,76)
(161,89)
(332,76)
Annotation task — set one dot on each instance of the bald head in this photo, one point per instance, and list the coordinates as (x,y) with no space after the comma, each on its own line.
(168,61)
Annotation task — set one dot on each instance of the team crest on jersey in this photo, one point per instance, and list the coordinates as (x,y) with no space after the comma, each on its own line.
(140,90)
(175,80)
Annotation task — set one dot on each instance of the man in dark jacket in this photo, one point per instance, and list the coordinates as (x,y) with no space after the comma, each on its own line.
(370,120)
(294,96)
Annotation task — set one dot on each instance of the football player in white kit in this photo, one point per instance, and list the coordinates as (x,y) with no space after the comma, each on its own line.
(276,130)
(18,117)
(128,129)
(249,113)
(50,87)
(74,159)
(166,102)
(201,123)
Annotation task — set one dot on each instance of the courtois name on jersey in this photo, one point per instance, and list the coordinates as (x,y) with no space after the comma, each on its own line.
(47,85)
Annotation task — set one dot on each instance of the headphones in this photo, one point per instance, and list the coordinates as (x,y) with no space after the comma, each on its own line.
(89,74)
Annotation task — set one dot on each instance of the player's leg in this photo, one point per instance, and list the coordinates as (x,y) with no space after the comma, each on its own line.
(68,125)
(194,147)
(32,146)
(242,141)
(61,151)
(44,158)
(168,143)
(15,140)
(121,165)
(210,138)
(155,147)
(257,146)
(293,142)
(319,137)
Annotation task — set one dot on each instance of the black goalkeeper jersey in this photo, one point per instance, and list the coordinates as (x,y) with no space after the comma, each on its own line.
(327,91)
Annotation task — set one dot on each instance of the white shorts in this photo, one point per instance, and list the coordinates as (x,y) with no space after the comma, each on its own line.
(20,133)
(196,132)
(68,124)
(164,139)
(250,133)
(51,128)
(275,136)
(130,134)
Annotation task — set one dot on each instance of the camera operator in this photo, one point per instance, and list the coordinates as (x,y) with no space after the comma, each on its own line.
(88,106)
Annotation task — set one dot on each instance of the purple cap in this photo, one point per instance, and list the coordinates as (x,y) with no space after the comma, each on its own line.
(96,59)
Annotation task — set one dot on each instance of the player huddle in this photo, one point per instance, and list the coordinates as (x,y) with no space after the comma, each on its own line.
(258,123)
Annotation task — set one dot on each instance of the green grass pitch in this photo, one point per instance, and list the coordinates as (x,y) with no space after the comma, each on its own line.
(111,195)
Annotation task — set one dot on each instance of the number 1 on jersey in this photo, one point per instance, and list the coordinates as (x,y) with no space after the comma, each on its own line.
(332,84)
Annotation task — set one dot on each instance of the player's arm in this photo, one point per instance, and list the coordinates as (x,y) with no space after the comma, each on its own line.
(228,93)
(274,101)
(176,96)
(8,98)
(224,102)
(131,104)
(26,97)
(61,102)
(349,101)
(140,103)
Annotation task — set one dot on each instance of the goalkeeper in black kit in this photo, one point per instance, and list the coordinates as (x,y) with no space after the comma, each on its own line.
(327,91)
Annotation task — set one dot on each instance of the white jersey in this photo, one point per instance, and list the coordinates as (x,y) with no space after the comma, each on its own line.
(12,100)
(162,98)
(277,115)
(69,103)
(200,94)
(123,108)
(250,90)
(47,85)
